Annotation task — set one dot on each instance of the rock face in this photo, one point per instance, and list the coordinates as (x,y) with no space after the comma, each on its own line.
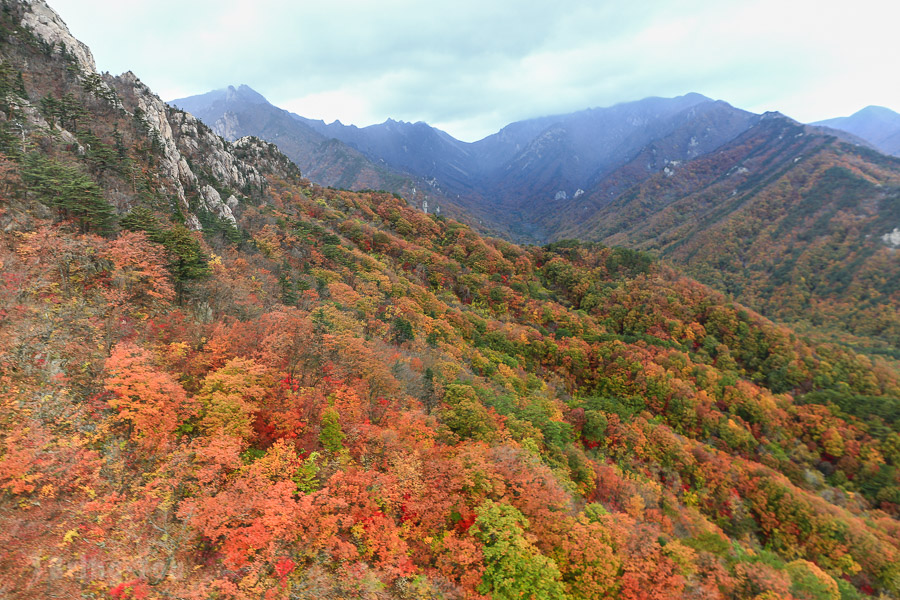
(187,141)
(228,126)
(216,205)
(48,26)
(892,238)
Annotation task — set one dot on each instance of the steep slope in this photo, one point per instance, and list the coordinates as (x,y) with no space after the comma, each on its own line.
(446,163)
(791,221)
(659,144)
(343,397)
(237,112)
(695,132)
(583,145)
(59,111)
(877,125)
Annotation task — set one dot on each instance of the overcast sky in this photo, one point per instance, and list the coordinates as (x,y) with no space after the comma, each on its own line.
(471,66)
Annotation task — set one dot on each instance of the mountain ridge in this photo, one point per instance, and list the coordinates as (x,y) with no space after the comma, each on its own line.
(500,173)
(780,196)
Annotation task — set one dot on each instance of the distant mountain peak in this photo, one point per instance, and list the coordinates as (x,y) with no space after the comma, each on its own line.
(878,125)
(875,110)
(244,93)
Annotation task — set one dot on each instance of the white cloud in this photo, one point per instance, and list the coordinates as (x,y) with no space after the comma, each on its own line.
(472,66)
(343,105)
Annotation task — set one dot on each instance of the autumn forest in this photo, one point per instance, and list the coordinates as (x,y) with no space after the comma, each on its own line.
(308,392)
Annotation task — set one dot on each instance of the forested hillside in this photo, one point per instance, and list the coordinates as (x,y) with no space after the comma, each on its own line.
(218,380)
(798,222)
(790,221)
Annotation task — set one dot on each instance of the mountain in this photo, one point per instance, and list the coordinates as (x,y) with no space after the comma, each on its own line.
(220,380)
(512,180)
(790,220)
(877,125)
(416,148)
(614,149)
(238,112)
(592,139)
(535,180)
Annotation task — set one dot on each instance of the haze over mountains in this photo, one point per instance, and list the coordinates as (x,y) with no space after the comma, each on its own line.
(237,112)
(877,125)
(507,179)
(523,180)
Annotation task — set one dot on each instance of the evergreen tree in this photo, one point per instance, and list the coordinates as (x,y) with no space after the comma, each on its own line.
(74,194)
(187,260)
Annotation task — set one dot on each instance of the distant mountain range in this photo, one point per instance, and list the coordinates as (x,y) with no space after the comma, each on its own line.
(877,125)
(511,180)
(237,112)
(527,181)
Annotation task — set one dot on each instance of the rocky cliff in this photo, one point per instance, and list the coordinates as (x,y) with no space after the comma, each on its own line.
(193,166)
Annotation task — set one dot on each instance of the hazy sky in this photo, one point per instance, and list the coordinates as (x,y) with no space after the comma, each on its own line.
(471,66)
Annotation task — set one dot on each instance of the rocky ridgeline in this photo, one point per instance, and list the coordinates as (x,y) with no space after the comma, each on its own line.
(46,25)
(191,158)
